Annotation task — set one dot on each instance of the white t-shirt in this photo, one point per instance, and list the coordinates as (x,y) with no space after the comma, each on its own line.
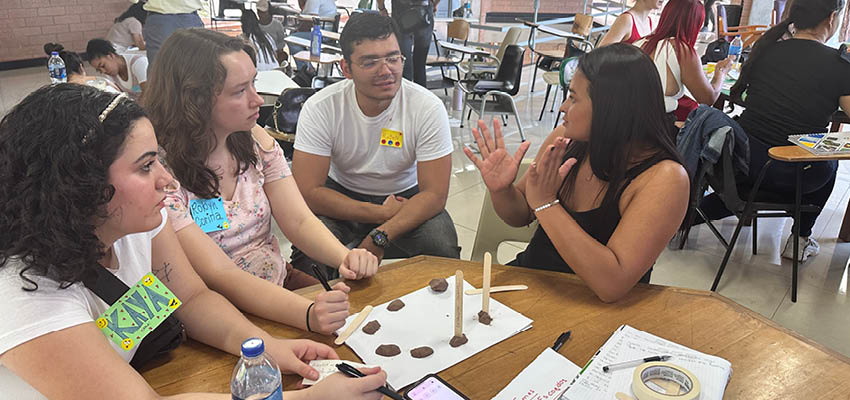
(332,125)
(121,33)
(137,72)
(28,315)
(322,8)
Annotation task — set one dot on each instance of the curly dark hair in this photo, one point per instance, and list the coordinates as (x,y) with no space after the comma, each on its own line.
(365,26)
(54,160)
(182,85)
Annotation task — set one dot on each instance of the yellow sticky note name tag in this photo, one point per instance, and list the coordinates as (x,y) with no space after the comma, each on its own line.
(138,312)
(391,138)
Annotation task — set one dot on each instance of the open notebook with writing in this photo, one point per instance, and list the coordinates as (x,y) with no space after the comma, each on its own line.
(628,344)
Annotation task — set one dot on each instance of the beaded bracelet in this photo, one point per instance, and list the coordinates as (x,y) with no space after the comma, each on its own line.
(547,205)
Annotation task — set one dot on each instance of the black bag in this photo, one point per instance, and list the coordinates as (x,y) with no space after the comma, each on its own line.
(716,51)
(304,76)
(165,338)
(413,17)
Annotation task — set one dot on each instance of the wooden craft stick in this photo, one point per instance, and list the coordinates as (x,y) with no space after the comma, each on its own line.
(354,325)
(485,287)
(458,303)
(497,289)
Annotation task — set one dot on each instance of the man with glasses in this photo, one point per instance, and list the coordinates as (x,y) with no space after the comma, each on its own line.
(373,153)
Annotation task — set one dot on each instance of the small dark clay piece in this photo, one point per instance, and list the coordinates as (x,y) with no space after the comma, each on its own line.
(395,305)
(438,285)
(421,352)
(484,318)
(458,340)
(388,350)
(371,327)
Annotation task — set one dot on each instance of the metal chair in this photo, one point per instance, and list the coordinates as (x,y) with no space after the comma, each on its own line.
(731,14)
(490,65)
(502,89)
(456,30)
(748,203)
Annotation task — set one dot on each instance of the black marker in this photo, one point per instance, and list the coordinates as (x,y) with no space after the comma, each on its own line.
(321,277)
(561,340)
(355,373)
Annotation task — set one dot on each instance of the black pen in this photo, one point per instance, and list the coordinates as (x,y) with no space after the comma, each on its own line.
(321,277)
(561,340)
(634,363)
(355,373)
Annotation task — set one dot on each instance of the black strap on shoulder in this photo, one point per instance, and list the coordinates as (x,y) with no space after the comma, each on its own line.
(166,337)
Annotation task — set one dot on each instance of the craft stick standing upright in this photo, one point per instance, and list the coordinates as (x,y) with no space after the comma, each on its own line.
(485,287)
(458,303)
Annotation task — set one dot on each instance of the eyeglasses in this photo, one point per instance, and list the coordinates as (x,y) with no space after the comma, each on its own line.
(393,61)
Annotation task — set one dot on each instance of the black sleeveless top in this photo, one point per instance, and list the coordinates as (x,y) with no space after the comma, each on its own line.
(599,223)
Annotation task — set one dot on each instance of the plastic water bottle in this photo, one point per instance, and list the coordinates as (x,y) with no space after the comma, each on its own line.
(467,13)
(316,40)
(56,68)
(256,376)
(735,52)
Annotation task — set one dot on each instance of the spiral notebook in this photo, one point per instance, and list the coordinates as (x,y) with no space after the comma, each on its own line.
(628,344)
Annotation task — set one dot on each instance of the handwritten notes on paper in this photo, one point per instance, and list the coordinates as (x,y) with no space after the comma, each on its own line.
(628,344)
(545,378)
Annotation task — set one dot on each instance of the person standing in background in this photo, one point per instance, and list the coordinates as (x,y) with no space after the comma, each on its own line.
(165,17)
(414,38)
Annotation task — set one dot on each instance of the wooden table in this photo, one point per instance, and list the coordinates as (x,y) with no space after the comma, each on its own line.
(769,361)
(299,41)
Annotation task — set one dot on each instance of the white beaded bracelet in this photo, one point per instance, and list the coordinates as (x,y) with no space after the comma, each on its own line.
(547,205)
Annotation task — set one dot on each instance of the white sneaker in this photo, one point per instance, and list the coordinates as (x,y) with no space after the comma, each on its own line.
(808,247)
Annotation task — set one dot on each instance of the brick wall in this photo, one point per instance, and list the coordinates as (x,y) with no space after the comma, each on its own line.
(26,25)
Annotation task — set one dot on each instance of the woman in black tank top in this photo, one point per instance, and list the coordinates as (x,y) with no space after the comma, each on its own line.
(607,186)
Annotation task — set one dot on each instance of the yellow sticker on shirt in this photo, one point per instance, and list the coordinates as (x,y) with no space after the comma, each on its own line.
(391,138)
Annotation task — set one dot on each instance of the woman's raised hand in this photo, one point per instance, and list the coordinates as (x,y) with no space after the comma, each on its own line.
(498,168)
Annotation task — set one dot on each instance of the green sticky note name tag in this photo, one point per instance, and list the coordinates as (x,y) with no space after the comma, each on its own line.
(138,312)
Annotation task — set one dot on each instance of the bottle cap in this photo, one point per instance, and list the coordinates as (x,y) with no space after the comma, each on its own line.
(54,53)
(253,347)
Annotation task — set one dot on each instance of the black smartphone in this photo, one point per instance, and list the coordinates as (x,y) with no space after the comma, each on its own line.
(432,387)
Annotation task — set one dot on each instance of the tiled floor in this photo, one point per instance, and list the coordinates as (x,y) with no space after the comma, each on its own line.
(761,282)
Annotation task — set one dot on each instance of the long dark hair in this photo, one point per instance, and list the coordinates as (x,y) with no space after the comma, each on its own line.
(182,84)
(73,62)
(804,14)
(54,160)
(680,20)
(136,11)
(99,48)
(628,120)
(251,30)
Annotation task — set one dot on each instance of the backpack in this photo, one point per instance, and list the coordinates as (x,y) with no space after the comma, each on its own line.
(716,51)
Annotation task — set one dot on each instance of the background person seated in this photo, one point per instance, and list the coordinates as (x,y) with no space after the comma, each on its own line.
(608,189)
(671,46)
(633,24)
(127,29)
(264,44)
(786,95)
(75,71)
(129,71)
(373,153)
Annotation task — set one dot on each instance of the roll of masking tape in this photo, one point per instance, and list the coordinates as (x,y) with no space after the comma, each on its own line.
(644,389)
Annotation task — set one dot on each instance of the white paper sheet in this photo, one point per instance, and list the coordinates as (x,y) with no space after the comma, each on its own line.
(427,319)
(628,344)
(327,368)
(545,378)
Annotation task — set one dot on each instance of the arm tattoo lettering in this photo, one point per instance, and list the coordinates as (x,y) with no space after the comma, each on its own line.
(162,273)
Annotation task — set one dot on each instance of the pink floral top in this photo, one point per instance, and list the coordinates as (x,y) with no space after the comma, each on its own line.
(249,241)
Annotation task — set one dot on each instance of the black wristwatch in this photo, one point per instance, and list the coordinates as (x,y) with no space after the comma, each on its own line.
(379,237)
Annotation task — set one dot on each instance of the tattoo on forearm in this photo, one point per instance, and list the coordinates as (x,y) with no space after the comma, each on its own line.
(162,273)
